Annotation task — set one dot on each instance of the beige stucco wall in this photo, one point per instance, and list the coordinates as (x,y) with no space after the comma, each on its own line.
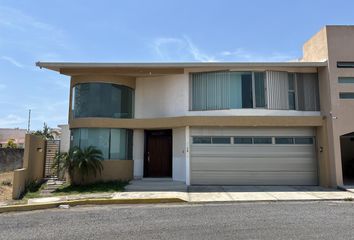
(19,182)
(113,170)
(324,173)
(340,48)
(315,49)
(33,164)
(334,43)
(174,122)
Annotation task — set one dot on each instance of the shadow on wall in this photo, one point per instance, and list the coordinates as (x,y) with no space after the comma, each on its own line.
(11,159)
(33,165)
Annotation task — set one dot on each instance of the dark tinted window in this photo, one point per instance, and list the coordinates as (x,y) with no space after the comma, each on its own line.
(303,140)
(202,140)
(284,140)
(243,140)
(345,64)
(347,95)
(221,140)
(262,140)
(102,100)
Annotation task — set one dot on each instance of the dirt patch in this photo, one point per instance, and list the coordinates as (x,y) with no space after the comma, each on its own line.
(6,186)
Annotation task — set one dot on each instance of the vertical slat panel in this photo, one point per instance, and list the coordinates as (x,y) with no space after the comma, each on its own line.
(277,89)
(210,90)
(308,92)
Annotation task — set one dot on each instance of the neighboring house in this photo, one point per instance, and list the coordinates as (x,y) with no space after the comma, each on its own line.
(246,123)
(17,134)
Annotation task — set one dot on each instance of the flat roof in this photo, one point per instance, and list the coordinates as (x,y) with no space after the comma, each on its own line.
(56,66)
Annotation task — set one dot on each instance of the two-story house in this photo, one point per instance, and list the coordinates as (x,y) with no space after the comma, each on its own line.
(222,123)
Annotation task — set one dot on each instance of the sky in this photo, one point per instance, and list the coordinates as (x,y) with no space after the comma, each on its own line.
(141,31)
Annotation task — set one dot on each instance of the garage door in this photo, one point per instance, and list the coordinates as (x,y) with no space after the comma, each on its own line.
(229,156)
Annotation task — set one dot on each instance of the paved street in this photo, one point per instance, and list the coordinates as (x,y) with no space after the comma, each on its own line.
(295,220)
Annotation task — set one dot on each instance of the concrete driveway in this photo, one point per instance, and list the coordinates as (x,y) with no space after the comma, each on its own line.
(264,193)
(168,188)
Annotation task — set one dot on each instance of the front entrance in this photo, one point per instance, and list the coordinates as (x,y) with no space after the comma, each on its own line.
(158,153)
(347,152)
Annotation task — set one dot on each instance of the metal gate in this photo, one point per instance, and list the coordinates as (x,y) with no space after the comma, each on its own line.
(52,147)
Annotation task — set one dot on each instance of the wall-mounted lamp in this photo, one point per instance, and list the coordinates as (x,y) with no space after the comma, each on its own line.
(333,117)
(321,149)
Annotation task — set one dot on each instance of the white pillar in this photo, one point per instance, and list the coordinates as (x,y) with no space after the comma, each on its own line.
(138,153)
(188,172)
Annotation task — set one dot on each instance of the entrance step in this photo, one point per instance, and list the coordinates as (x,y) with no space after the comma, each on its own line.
(51,186)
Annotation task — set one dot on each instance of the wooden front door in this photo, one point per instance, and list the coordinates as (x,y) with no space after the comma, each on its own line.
(158,153)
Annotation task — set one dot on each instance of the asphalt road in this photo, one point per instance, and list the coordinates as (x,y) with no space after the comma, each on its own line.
(305,220)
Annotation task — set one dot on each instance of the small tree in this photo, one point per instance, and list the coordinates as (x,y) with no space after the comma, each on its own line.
(45,133)
(11,143)
(82,162)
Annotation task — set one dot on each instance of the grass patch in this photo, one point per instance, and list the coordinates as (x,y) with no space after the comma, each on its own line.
(33,189)
(6,186)
(99,187)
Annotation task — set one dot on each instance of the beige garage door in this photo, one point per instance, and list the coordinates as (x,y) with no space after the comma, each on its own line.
(229,156)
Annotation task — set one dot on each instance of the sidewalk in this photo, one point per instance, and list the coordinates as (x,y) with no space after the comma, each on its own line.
(195,194)
(167,191)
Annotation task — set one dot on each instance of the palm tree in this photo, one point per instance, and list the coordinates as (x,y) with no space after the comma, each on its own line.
(81,162)
(88,161)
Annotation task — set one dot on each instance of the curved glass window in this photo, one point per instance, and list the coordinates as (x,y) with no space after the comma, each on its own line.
(115,143)
(102,100)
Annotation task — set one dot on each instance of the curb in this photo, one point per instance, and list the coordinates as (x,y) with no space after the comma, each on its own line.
(18,208)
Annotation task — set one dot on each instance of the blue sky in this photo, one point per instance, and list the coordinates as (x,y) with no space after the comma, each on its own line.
(141,31)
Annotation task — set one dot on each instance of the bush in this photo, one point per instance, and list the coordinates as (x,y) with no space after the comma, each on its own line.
(32,188)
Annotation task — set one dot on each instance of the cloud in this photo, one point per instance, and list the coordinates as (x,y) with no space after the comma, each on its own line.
(28,34)
(12,61)
(179,49)
(197,53)
(184,49)
(241,54)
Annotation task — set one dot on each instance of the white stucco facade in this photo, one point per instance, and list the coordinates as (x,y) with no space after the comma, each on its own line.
(168,96)
(164,96)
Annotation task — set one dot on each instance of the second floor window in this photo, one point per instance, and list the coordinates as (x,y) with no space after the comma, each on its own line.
(270,90)
(227,90)
(103,100)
